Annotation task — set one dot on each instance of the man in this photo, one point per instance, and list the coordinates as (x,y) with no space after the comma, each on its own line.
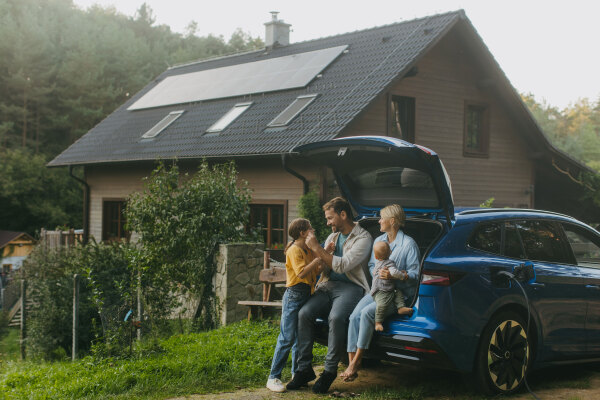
(342,284)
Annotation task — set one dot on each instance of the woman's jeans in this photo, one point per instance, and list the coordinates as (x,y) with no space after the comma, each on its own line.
(293,299)
(362,323)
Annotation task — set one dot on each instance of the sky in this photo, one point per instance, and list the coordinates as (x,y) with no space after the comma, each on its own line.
(548,48)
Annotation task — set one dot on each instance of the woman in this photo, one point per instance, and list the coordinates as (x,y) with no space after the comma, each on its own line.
(405,253)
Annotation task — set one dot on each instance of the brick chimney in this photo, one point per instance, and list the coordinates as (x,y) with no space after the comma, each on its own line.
(277,32)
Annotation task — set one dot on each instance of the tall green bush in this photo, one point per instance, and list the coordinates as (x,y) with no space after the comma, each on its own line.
(104,297)
(181,220)
(310,208)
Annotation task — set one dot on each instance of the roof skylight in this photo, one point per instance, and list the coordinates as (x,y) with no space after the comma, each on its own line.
(287,115)
(162,124)
(228,118)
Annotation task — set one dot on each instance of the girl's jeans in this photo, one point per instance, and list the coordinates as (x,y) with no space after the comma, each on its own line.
(293,299)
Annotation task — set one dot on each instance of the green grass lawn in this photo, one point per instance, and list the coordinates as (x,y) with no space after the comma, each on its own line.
(236,356)
(9,345)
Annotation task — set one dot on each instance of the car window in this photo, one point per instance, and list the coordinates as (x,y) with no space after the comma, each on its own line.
(406,186)
(487,237)
(512,243)
(542,242)
(585,246)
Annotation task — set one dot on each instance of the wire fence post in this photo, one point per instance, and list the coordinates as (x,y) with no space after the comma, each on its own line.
(23,317)
(139,304)
(75,315)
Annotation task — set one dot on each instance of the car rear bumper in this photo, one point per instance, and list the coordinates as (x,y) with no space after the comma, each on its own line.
(413,350)
(406,349)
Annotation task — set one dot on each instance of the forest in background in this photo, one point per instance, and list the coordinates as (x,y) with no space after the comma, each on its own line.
(63,69)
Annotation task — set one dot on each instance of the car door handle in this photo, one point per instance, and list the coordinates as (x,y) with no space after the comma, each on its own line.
(537,285)
(594,287)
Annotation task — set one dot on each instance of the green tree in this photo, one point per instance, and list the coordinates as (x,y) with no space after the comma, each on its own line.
(181,220)
(33,196)
(63,70)
(575,130)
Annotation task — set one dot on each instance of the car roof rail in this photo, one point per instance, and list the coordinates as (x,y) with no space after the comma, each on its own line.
(497,210)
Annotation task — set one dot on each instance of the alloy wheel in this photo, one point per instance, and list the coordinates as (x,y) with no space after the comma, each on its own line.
(508,355)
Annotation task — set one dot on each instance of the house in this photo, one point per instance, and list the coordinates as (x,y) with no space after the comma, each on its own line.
(431,81)
(14,248)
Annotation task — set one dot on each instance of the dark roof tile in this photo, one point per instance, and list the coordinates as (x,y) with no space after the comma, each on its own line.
(345,88)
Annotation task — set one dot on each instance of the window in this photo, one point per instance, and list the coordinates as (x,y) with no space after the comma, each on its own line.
(476,130)
(162,124)
(387,185)
(287,115)
(113,220)
(271,218)
(487,237)
(542,241)
(228,118)
(586,248)
(512,242)
(402,118)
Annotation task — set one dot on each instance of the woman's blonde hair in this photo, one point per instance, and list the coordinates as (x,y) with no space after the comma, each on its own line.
(396,212)
(296,227)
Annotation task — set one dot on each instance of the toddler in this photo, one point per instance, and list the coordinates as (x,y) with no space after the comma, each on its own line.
(384,291)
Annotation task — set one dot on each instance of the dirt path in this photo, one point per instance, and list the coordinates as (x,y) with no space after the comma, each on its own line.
(565,383)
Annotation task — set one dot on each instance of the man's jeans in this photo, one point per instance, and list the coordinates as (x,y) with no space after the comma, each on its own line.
(334,301)
(293,299)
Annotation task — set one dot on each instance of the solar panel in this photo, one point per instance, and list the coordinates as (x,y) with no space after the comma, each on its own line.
(270,75)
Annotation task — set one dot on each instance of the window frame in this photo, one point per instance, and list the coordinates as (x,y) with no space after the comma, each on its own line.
(226,119)
(500,224)
(558,230)
(166,121)
(284,203)
(483,151)
(585,233)
(274,124)
(412,129)
(121,220)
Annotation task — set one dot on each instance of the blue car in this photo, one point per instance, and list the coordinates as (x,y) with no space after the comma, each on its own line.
(502,291)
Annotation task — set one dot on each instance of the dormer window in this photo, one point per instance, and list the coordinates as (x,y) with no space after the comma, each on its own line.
(228,118)
(162,124)
(292,111)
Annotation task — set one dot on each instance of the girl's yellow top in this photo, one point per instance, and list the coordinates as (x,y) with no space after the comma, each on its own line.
(296,258)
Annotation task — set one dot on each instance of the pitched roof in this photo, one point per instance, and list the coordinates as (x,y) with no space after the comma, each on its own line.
(374,59)
(8,236)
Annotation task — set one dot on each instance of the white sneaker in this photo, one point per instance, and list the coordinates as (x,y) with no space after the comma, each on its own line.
(275,385)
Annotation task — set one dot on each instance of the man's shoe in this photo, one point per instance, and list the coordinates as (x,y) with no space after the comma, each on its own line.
(324,381)
(301,378)
(275,385)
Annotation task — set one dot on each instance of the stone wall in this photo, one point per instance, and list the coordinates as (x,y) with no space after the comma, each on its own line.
(238,266)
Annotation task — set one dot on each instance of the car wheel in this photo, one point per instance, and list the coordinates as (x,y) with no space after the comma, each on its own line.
(503,356)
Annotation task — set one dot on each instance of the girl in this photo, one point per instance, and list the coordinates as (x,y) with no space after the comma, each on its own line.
(302,269)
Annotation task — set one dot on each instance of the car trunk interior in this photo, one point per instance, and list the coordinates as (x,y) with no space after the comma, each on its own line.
(424,231)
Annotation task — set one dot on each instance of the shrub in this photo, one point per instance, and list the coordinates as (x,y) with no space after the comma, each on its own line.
(310,208)
(181,220)
(104,297)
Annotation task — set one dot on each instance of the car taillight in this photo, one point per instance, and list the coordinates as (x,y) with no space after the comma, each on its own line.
(438,278)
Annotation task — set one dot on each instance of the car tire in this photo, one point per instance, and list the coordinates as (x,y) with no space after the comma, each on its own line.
(504,354)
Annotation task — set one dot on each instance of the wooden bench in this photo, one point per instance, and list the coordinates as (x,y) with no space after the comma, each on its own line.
(269,276)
